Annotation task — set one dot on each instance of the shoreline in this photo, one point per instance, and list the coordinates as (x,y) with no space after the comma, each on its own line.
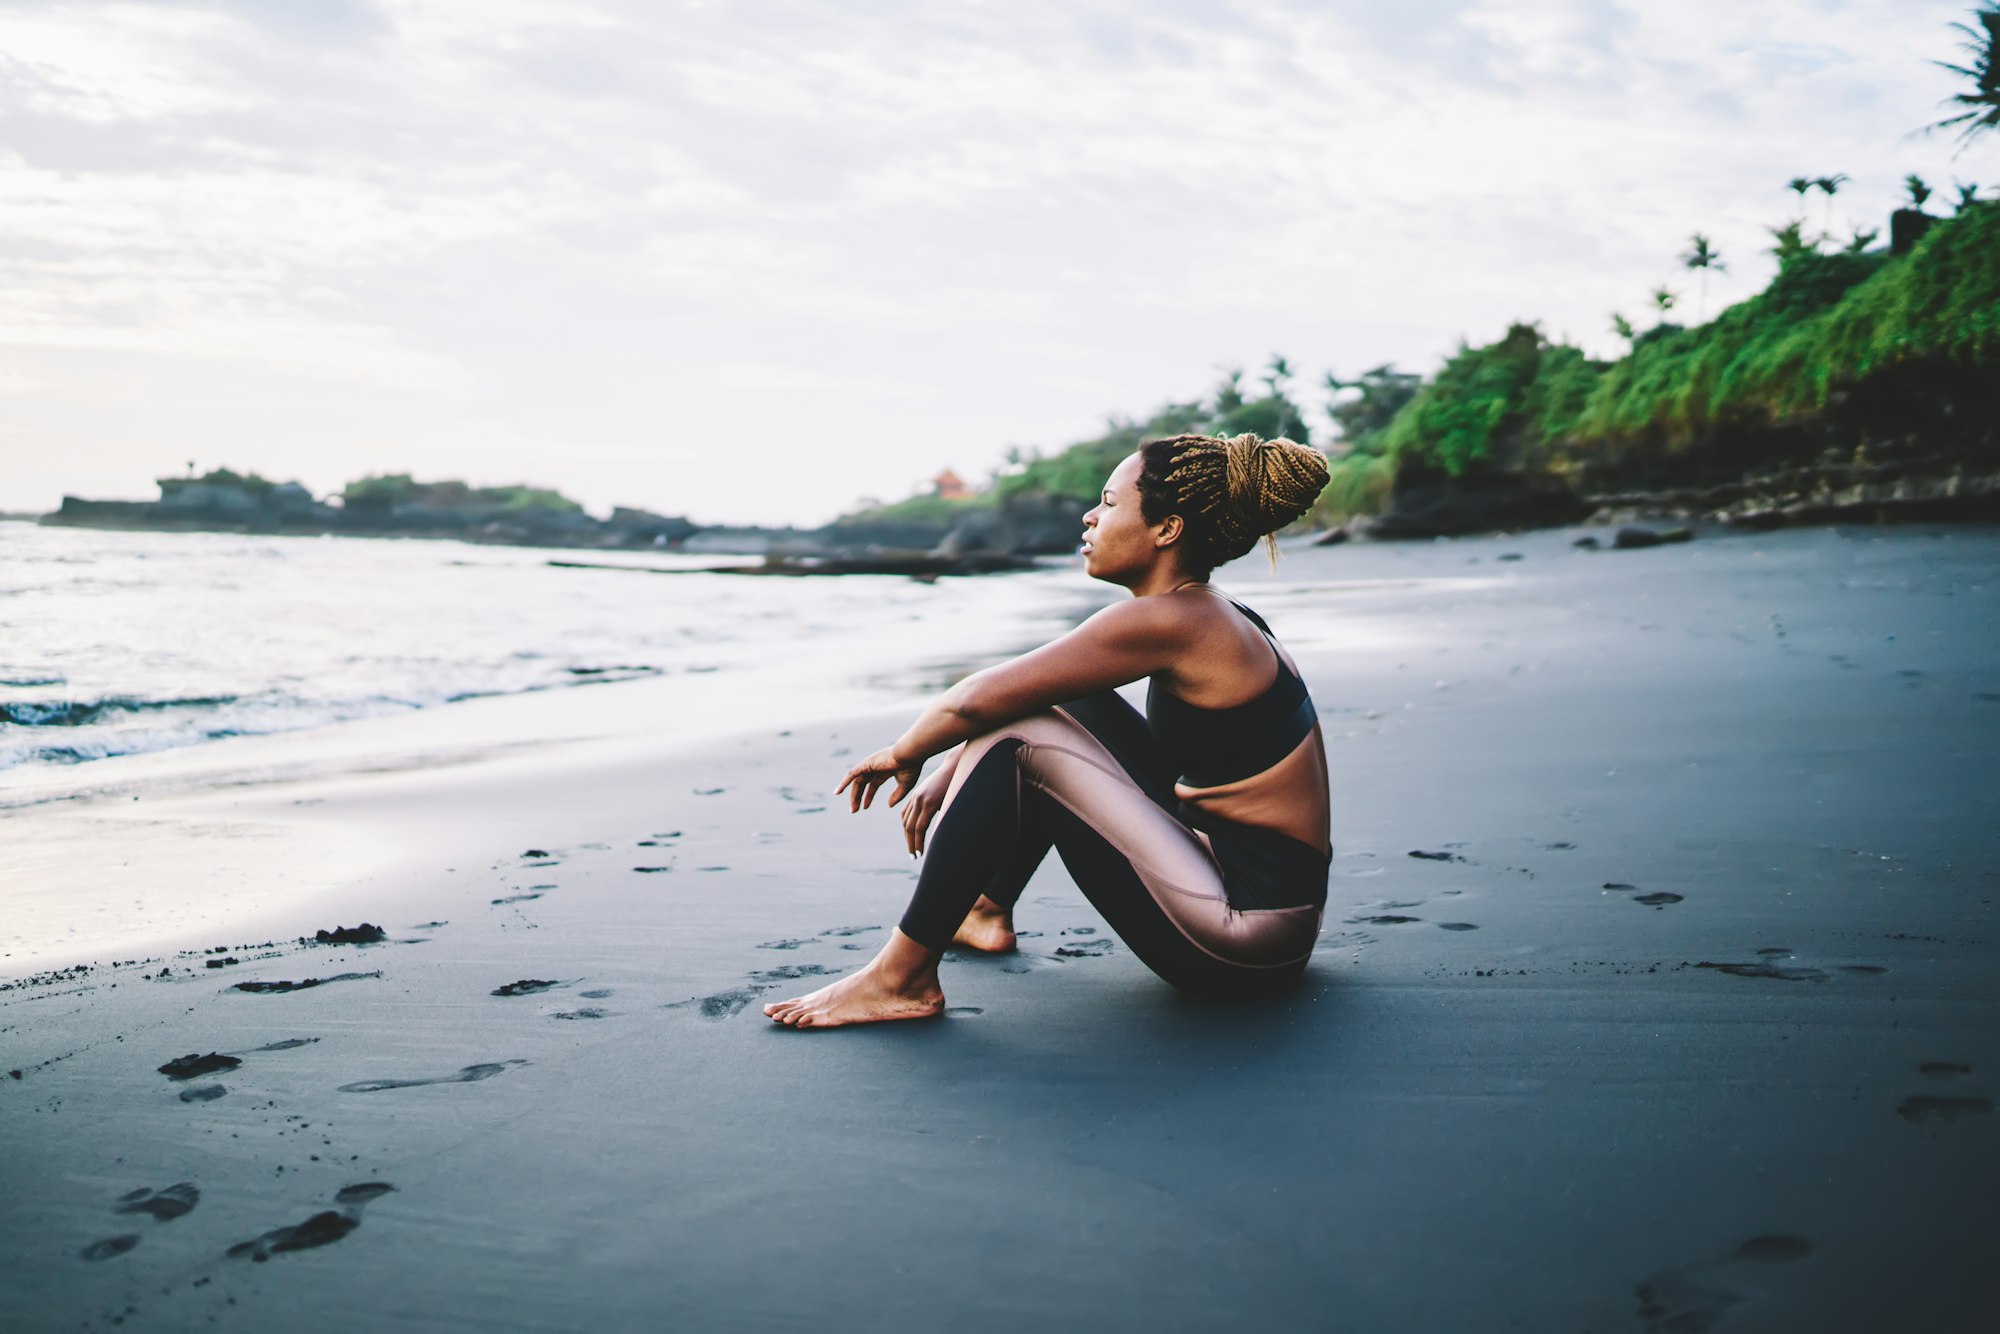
(1693,990)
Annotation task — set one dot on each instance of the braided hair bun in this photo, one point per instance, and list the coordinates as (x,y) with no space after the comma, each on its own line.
(1229,492)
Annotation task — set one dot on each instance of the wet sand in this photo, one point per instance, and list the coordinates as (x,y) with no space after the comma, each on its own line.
(1657,992)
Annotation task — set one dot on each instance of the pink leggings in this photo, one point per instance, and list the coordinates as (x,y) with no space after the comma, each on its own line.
(1086,779)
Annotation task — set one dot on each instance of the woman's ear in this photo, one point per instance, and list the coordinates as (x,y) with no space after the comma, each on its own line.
(1169,531)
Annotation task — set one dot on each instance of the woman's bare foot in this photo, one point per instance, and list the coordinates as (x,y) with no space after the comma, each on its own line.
(899,983)
(988,928)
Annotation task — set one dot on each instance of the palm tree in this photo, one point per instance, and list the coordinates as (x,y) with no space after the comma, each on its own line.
(1968,195)
(1663,301)
(1623,327)
(1229,394)
(1830,185)
(1861,240)
(1701,257)
(1914,185)
(1276,374)
(1792,243)
(1980,108)
(1799,185)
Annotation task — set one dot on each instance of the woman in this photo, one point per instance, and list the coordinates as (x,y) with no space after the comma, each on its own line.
(1199,831)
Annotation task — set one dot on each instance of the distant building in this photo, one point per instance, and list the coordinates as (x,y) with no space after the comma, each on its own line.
(948,485)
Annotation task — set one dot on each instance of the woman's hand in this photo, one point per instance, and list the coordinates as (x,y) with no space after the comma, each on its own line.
(867,777)
(923,807)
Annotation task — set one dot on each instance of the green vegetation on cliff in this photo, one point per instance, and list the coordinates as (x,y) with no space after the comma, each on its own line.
(382,494)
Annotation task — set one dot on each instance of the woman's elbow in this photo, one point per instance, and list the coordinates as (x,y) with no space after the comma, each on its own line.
(973,706)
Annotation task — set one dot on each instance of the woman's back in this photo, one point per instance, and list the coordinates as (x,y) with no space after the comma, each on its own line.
(1259,763)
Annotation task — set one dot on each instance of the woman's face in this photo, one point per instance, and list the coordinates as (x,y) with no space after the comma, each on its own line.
(1119,546)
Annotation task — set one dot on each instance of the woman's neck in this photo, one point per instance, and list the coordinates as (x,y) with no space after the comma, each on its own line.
(1167,577)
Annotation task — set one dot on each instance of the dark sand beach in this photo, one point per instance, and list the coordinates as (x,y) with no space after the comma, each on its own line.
(1657,992)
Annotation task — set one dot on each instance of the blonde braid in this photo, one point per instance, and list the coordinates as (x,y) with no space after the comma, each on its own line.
(1242,488)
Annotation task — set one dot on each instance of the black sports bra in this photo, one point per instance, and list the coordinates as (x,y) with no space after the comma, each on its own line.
(1210,747)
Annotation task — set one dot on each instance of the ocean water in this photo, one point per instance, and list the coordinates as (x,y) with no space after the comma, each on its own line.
(118,643)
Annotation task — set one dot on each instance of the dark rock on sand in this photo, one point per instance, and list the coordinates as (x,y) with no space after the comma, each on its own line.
(1635,538)
(527,986)
(1425,503)
(1586,543)
(365,934)
(1657,899)
(192,1064)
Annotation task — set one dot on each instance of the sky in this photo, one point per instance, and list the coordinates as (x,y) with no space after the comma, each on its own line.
(755,261)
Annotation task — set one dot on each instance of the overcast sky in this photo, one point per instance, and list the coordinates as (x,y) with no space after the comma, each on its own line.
(753,261)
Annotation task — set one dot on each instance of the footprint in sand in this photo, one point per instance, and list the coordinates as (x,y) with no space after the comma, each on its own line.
(322,1229)
(110,1246)
(516,898)
(1384,919)
(165,1204)
(1689,1301)
(281,988)
(203,1093)
(587,1012)
(1774,972)
(722,1004)
(596,993)
(1458,926)
(962,1011)
(782,944)
(471,1074)
(848,930)
(1659,898)
(791,972)
(1943,1070)
(286,1044)
(1923,1106)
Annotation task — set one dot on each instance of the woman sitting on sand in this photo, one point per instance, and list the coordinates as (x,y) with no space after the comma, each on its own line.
(1199,831)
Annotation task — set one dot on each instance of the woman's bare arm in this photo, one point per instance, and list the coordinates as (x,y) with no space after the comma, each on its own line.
(1120,644)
